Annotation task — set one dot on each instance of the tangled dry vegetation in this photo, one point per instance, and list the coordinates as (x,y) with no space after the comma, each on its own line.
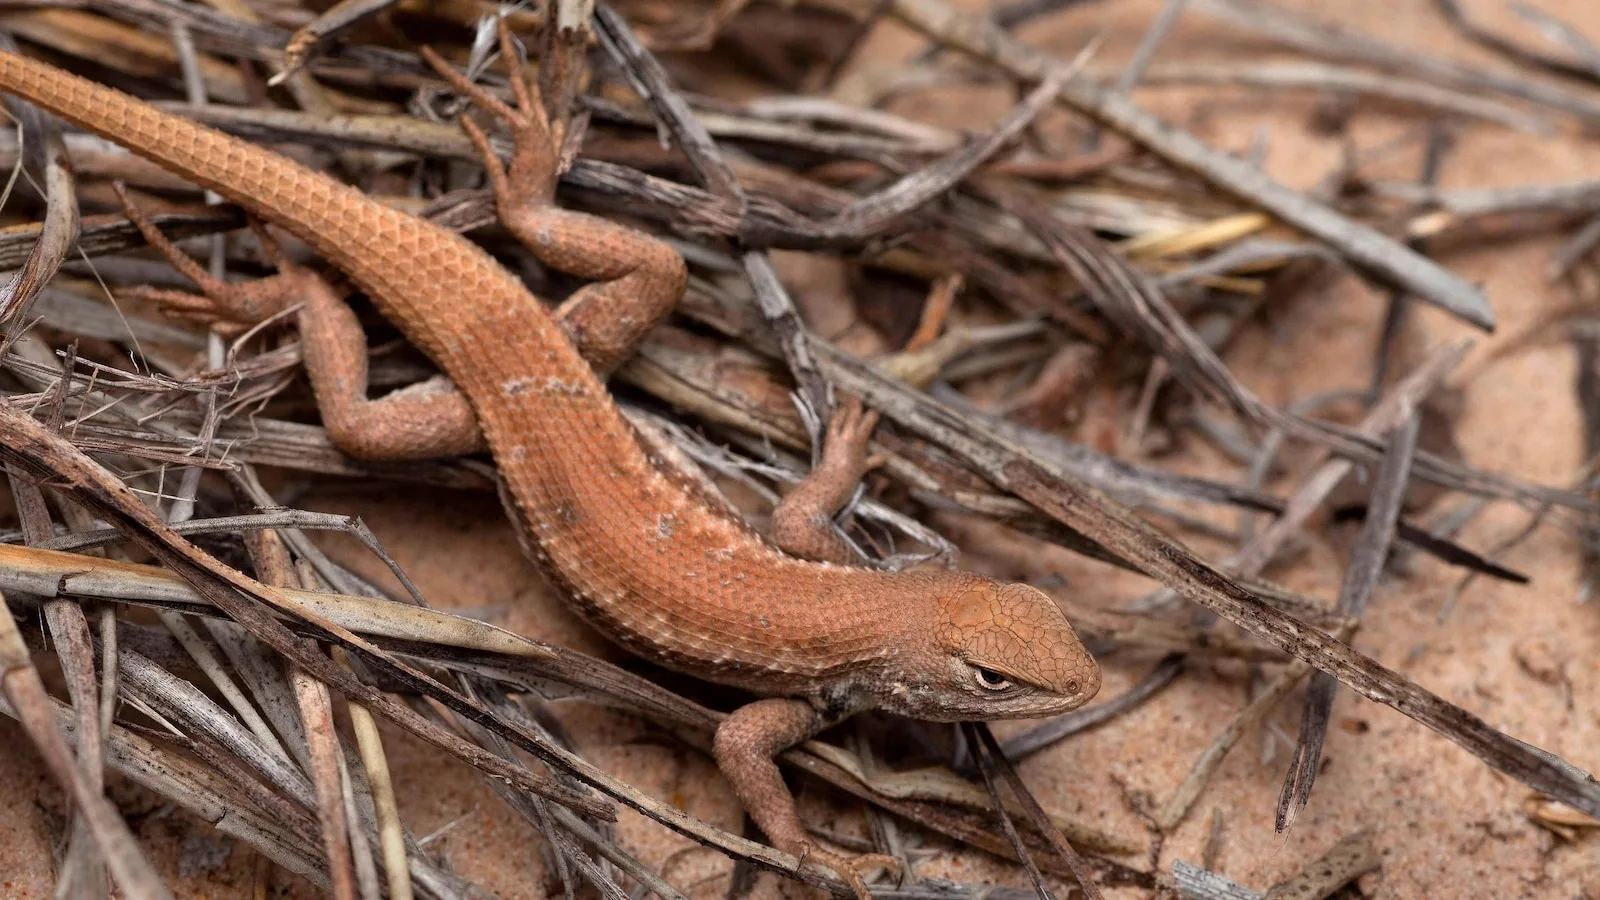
(1040,309)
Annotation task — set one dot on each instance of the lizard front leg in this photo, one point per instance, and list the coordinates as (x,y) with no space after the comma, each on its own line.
(427,420)
(637,278)
(802,524)
(744,746)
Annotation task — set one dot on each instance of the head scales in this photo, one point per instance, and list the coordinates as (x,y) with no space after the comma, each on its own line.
(987,650)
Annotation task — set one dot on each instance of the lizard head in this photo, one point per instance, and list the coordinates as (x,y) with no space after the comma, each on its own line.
(991,651)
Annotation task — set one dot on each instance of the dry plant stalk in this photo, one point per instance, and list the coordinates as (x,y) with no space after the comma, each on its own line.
(988,260)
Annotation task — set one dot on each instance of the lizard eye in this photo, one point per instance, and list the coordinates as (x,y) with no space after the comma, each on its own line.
(990,680)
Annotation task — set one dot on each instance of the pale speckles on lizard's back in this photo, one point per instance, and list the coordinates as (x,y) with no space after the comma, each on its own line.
(644,559)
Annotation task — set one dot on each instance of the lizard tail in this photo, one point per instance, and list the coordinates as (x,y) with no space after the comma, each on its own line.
(373,243)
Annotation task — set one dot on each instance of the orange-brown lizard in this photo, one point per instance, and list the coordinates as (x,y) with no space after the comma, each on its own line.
(633,546)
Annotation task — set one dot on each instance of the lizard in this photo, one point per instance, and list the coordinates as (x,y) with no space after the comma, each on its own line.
(635,548)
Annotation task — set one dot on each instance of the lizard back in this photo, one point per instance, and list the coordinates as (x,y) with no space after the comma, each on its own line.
(639,556)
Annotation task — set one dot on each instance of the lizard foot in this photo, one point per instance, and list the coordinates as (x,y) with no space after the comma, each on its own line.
(855,870)
(845,448)
(229,308)
(536,140)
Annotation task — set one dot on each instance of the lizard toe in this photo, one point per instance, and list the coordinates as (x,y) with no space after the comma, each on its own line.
(854,870)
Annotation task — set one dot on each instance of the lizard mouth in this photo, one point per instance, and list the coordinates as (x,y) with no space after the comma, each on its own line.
(942,704)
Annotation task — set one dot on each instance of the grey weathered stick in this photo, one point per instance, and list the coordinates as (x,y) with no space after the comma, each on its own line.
(204,792)
(1134,71)
(1320,39)
(1559,32)
(43,148)
(1585,67)
(1364,247)
(1366,564)
(1352,857)
(82,875)
(987,764)
(1205,766)
(650,79)
(21,686)
(1200,884)
(994,758)
(1317,76)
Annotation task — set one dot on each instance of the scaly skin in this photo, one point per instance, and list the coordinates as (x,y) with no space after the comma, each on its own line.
(636,551)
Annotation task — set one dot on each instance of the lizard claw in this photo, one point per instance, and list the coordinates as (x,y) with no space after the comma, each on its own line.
(860,867)
(536,140)
(229,308)
(849,431)
(854,869)
(183,306)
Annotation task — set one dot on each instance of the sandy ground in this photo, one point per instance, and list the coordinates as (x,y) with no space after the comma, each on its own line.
(1519,657)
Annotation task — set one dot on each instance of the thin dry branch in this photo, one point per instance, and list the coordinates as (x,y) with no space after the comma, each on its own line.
(1366,564)
(31,706)
(1365,248)
(45,151)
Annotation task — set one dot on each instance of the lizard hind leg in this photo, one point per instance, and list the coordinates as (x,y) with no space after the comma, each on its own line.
(228,307)
(636,278)
(427,420)
(744,746)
